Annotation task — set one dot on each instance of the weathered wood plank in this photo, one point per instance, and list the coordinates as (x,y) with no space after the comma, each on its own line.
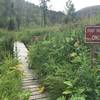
(30,81)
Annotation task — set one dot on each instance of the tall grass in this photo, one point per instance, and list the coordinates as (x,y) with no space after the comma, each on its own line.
(62,59)
(6,43)
(10,76)
(63,63)
(11,81)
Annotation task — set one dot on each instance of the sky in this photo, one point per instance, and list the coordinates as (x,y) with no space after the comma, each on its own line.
(59,5)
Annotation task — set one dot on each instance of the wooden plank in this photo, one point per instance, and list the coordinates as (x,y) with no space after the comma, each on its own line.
(30,81)
(34,89)
(25,79)
(35,97)
(43,99)
(30,86)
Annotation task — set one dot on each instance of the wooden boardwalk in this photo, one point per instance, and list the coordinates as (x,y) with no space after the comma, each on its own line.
(29,81)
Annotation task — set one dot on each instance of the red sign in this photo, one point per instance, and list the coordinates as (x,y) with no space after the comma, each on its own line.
(92,34)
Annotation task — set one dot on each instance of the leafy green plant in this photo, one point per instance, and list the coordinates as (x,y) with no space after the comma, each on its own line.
(6,43)
(61,98)
(10,81)
(62,58)
(72,91)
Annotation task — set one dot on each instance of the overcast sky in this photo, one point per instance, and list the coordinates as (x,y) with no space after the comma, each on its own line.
(59,5)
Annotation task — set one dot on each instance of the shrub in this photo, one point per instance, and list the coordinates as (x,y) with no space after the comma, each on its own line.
(61,59)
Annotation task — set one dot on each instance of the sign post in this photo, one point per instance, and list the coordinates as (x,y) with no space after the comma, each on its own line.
(92,36)
(93,60)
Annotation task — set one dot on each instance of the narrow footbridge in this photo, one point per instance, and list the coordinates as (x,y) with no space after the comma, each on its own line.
(30,81)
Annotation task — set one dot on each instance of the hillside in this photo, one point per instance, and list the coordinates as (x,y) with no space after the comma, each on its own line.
(58,17)
(34,14)
(24,13)
(88,12)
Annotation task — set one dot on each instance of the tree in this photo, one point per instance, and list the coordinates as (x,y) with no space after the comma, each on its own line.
(7,12)
(19,10)
(2,9)
(44,8)
(70,11)
(12,21)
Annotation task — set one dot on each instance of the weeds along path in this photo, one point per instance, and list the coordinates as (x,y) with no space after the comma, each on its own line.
(29,81)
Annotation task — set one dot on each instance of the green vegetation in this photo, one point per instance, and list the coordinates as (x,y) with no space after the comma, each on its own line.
(17,13)
(57,53)
(63,63)
(10,80)
(70,10)
(10,76)
(6,43)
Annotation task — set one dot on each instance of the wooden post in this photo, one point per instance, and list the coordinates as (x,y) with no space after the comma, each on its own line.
(92,36)
(93,55)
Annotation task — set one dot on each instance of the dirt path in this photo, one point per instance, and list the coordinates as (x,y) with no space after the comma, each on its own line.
(30,82)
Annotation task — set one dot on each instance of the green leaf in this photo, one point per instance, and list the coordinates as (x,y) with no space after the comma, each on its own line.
(76,60)
(61,98)
(74,97)
(81,90)
(69,83)
(67,92)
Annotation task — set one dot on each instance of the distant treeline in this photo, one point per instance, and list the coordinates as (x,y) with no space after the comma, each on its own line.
(14,13)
